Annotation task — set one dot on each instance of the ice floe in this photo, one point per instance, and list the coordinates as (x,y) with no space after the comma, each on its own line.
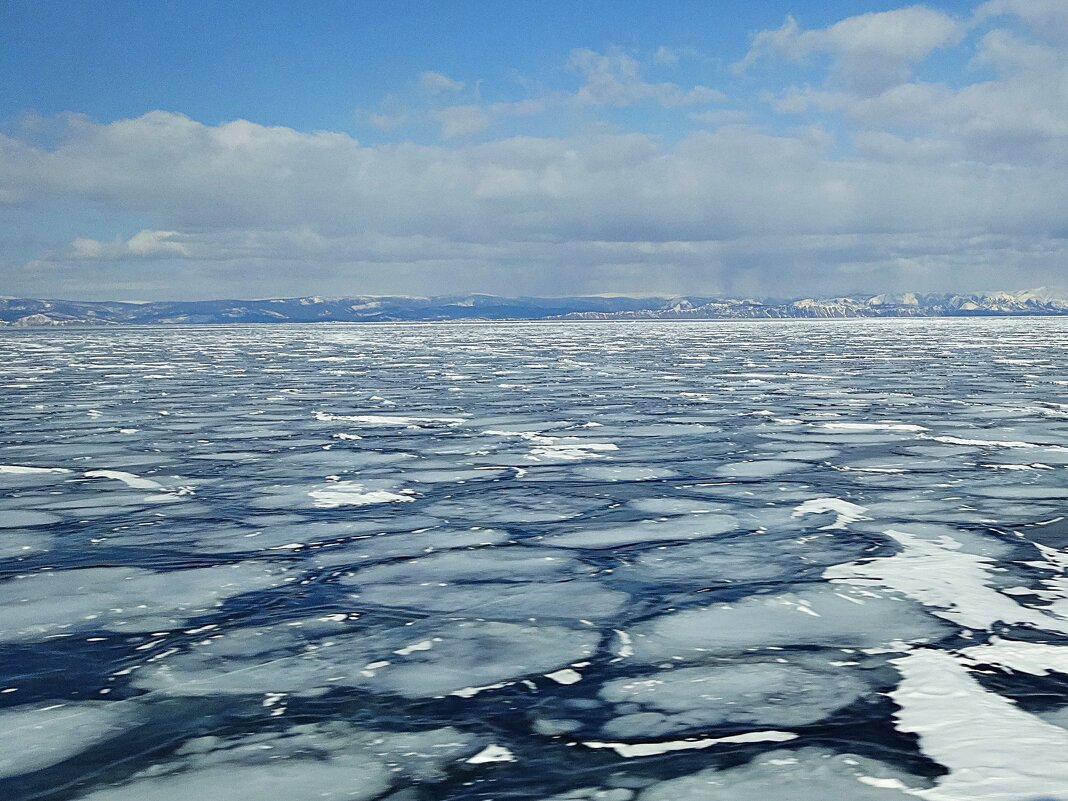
(38,737)
(63,602)
(822,615)
(755,692)
(499,583)
(19,470)
(1020,656)
(688,527)
(334,761)
(465,657)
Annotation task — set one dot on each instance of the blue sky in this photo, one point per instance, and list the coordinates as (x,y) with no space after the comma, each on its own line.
(201,149)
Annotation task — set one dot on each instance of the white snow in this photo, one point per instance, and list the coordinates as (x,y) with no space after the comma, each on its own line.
(1035,658)
(389,420)
(938,573)
(994,750)
(20,470)
(846,512)
(492,753)
(353,493)
(631,750)
(904,427)
(565,676)
(129,479)
(805,774)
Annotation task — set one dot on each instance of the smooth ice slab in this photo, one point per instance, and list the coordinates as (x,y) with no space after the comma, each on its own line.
(749,693)
(63,602)
(826,616)
(38,737)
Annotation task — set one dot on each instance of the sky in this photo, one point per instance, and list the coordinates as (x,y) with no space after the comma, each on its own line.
(180,150)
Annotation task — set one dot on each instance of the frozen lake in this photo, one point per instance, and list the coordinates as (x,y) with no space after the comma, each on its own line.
(592,562)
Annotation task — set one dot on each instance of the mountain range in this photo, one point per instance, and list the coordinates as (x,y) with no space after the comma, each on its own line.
(23,312)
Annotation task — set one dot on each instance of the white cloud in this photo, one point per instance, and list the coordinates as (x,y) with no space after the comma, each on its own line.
(614,79)
(143,244)
(871,51)
(463,120)
(436,83)
(1019,115)
(723,116)
(923,185)
(531,214)
(460,121)
(387,122)
(665,56)
(1047,19)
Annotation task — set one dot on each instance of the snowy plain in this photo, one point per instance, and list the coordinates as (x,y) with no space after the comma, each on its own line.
(536,561)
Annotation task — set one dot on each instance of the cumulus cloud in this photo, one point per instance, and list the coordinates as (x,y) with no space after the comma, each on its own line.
(1047,19)
(489,214)
(873,180)
(1021,114)
(870,51)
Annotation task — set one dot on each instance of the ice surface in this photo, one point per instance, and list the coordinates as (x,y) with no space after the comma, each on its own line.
(630,750)
(14,544)
(994,750)
(35,738)
(64,602)
(746,693)
(940,574)
(620,563)
(479,654)
(826,616)
(129,479)
(1035,658)
(808,774)
(735,560)
(466,655)
(663,529)
(324,761)
(19,470)
(353,493)
(766,468)
(845,511)
(502,583)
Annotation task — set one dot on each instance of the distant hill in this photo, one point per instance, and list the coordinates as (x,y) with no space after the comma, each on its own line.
(24,312)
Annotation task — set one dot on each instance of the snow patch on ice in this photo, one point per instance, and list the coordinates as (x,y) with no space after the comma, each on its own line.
(847,512)
(631,750)
(994,751)
(492,753)
(20,470)
(353,493)
(940,575)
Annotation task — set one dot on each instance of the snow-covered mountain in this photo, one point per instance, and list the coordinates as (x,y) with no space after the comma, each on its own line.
(27,312)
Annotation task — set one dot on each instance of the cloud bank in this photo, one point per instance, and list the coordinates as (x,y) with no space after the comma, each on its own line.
(860,177)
